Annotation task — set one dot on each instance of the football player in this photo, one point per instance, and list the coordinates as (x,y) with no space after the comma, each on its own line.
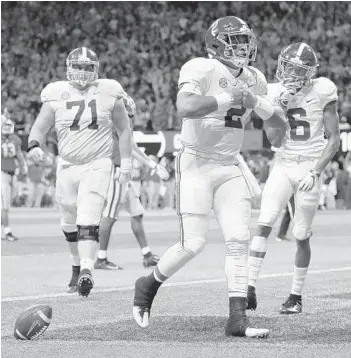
(130,195)
(216,96)
(83,109)
(311,107)
(10,152)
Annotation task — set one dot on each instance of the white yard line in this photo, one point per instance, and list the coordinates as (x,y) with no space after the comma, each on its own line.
(174,284)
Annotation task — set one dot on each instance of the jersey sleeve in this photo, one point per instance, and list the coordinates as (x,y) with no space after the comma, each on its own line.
(49,93)
(112,88)
(326,90)
(194,75)
(260,86)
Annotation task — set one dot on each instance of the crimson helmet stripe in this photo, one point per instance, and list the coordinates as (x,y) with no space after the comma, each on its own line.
(301,48)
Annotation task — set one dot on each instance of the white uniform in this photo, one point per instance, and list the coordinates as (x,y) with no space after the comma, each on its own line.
(83,122)
(303,145)
(206,168)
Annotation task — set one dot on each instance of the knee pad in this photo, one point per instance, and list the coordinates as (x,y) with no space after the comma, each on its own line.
(193,230)
(88,233)
(71,236)
(301,232)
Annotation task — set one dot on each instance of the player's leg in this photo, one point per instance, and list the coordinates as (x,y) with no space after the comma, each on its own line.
(108,219)
(92,194)
(6,195)
(232,207)
(194,202)
(136,211)
(306,204)
(66,197)
(276,194)
(285,223)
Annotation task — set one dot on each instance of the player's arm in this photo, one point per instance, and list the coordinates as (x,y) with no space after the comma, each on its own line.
(120,120)
(332,132)
(275,135)
(40,129)
(141,157)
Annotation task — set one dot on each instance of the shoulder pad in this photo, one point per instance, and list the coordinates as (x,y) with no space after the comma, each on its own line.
(111,87)
(54,91)
(325,87)
(196,70)
(261,83)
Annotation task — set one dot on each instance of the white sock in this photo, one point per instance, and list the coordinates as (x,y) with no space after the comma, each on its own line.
(237,268)
(87,253)
(102,254)
(145,250)
(7,230)
(299,278)
(73,249)
(258,250)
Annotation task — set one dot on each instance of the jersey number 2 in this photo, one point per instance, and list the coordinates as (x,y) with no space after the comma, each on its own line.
(299,130)
(81,107)
(233,117)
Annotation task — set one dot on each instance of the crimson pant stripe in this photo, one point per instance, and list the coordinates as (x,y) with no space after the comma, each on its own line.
(178,178)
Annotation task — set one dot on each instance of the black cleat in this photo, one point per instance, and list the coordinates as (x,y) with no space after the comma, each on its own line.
(85,283)
(143,298)
(292,305)
(73,284)
(11,237)
(104,264)
(238,324)
(251,298)
(150,260)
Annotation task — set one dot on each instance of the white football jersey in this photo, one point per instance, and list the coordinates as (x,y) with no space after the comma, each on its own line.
(83,119)
(305,135)
(222,131)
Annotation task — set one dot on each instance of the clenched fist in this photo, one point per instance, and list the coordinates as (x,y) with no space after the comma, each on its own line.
(250,100)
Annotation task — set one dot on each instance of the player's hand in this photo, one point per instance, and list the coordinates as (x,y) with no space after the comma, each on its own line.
(36,155)
(161,172)
(250,100)
(124,173)
(308,182)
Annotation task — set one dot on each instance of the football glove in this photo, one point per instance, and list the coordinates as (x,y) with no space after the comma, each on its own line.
(308,182)
(161,172)
(35,154)
(124,173)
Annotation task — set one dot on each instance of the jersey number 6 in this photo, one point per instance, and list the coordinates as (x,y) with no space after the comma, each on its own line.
(299,130)
(81,107)
(233,117)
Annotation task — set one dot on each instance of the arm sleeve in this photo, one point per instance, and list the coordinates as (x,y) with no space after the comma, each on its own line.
(193,76)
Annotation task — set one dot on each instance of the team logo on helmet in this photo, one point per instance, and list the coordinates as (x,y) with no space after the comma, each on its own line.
(229,27)
(223,82)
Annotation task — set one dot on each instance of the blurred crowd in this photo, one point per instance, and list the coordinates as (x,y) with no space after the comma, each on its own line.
(144,44)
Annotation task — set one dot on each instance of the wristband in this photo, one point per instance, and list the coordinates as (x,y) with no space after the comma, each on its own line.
(126,163)
(223,100)
(32,144)
(264,108)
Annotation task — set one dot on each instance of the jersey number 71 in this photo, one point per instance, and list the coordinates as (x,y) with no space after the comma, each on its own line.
(81,107)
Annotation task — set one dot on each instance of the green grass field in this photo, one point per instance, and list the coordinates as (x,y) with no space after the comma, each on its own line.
(189,313)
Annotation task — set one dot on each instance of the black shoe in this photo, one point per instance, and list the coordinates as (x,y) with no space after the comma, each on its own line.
(85,283)
(292,305)
(238,324)
(104,264)
(150,260)
(251,298)
(73,284)
(11,237)
(143,298)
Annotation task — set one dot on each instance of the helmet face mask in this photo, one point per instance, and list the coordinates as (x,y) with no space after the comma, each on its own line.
(82,67)
(231,41)
(296,68)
